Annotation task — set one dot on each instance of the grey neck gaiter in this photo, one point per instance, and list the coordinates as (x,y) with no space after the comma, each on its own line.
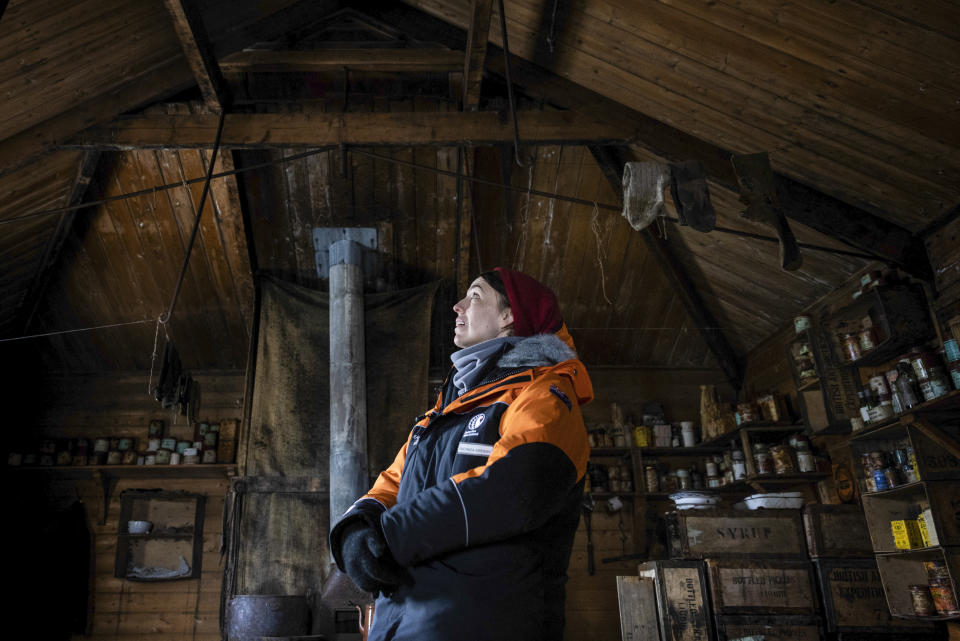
(471,362)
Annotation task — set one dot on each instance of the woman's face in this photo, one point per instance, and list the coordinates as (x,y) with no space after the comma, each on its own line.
(479,317)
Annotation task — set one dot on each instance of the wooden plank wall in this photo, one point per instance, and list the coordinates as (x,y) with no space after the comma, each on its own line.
(592,606)
(117,405)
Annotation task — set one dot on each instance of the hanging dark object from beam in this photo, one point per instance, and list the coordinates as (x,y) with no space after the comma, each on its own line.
(643,187)
(758,192)
(506,66)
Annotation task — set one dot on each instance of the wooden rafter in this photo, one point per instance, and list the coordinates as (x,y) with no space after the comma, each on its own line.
(826,214)
(476,52)
(821,212)
(389,60)
(88,165)
(253,131)
(611,160)
(198,50)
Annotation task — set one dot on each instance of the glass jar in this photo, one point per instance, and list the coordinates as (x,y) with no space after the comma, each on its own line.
(782,461)
(652,478)
(762,460)
(683,480)
(805,460)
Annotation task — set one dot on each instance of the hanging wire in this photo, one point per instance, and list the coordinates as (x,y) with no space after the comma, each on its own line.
(153,190)
(196,223)
(506,66)
(74,331)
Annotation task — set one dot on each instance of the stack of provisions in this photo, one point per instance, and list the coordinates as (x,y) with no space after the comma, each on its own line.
(851,591)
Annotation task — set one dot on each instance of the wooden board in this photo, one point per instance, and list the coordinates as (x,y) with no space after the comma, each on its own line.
(836,531)
(736,534)
(770,628)
(761,587)
(638,608)
(682,602)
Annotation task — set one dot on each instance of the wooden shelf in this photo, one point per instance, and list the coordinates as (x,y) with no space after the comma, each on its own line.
(696,450)
(948,402)
(107,475)
(609,451)
(199,470)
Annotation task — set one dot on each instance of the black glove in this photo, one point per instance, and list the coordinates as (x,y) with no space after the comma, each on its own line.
(367,560)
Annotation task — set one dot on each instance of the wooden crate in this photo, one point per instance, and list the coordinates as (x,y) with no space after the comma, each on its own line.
(903,503)
(900,570)
(836,531)
(682,603)
(770,628)
(853,598)
(761,587)
(698,534)
(638,609)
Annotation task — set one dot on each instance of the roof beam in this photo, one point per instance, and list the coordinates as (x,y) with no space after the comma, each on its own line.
(389,60)
(403,129)
(611,160)
(198,50)
(476,52)
(851,225)
(828,215)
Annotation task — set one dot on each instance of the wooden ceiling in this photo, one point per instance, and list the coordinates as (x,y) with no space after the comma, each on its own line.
(856,103)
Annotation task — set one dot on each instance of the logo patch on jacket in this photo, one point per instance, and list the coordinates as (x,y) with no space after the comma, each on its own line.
(473,427)
(563,397)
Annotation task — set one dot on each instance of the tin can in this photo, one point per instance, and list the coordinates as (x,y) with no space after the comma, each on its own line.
(153,445)
(209,456)
(944,600)
(168,444)
(210,440)
(182,445)
(801,323)
(150,458)
(936,570)
(114,457)
(641,435)
(880,480)
(130,457)
(951,350)
(805,461)
(101,445)
(922,600)
(125,444)
(162,456)
(155,429)
(175,458)
(867,339)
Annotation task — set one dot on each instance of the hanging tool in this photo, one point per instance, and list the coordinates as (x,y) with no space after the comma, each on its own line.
(588,506)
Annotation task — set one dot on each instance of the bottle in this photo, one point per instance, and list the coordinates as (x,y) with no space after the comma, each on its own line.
(851,348)
(683,479)
(739,466)
(866,404)
(907,384)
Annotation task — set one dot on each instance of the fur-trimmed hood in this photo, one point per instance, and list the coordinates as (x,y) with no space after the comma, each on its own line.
(540,350)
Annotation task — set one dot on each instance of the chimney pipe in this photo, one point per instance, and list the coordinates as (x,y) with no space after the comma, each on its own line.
(348,391)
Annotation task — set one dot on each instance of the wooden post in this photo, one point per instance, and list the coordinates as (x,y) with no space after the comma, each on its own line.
(348,391)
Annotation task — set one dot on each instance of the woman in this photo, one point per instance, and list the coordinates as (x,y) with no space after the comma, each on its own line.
(468,533)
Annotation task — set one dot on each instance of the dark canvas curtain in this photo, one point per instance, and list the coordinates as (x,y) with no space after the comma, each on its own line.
(278,508)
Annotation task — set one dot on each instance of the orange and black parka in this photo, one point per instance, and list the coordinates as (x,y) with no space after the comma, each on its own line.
(482,502)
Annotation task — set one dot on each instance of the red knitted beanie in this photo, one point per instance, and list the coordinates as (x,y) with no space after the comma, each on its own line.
(534,306)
